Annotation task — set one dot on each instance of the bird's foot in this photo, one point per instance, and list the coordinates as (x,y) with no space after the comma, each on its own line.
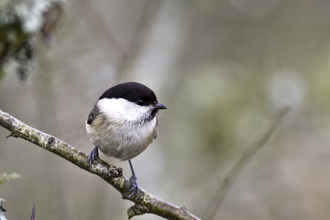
(134,186)
(93,156)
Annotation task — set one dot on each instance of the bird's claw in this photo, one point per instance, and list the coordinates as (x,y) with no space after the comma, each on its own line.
(93,156)
(133,187)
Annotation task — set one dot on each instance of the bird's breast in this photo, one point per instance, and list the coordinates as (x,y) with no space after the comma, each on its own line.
(122,140)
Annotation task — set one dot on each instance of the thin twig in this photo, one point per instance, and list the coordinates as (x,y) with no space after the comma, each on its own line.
(250,151)
(33,212)
(144,201)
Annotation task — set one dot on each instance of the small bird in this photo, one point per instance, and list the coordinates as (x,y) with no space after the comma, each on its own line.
(123,123)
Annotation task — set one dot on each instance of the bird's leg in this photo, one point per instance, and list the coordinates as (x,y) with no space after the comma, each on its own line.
(93,156)
(133,179)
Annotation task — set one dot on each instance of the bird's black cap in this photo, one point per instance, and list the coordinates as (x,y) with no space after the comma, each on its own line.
(133,92)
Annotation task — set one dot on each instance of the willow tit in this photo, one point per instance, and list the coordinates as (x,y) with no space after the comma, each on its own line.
(123,123)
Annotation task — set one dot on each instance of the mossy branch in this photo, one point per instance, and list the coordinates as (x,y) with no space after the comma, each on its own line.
(144,201)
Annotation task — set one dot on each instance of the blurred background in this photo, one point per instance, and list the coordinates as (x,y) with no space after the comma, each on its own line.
(221,67)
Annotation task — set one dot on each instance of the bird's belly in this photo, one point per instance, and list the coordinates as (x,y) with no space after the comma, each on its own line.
(124,141)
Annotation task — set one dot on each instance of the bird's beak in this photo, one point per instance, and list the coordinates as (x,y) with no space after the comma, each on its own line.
(160,106)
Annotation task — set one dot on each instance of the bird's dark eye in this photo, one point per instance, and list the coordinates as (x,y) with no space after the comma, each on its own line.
(140,102)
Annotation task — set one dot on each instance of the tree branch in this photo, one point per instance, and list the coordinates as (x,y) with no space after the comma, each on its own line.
(144,201)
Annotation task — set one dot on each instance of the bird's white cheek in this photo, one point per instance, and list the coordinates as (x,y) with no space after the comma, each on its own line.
(121,110)
(111,109)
